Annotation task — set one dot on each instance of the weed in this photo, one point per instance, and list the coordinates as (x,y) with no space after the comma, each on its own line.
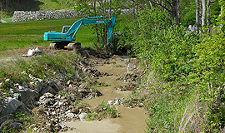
(109,109)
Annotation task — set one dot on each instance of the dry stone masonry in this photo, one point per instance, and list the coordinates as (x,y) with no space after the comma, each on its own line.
(20,16)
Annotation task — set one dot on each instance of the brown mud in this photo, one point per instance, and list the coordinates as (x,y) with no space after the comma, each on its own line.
(130,120)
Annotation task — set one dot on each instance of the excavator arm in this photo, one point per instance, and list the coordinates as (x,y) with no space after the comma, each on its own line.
(63,38)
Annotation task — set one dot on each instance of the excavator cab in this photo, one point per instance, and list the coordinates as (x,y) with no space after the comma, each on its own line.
(65,29)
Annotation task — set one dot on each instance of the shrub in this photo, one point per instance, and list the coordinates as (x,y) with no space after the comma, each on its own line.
(208,77)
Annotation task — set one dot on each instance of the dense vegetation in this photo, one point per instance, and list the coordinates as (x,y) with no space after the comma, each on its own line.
(187,94)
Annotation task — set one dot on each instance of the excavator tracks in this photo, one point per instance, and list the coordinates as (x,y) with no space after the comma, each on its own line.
(68,46)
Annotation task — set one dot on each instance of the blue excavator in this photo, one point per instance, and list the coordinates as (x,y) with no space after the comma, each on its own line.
(65,38)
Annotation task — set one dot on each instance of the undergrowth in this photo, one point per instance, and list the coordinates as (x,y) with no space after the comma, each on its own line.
(187,94)
(42,67)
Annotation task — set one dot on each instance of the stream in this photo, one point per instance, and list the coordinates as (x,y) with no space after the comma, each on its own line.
(130,120)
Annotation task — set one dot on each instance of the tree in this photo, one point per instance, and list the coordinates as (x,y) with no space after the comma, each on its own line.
(203,12)
(208,16)
(1,11)
(171,6)
(197,15)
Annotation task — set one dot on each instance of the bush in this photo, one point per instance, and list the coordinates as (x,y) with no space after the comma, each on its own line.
(208,77)
(167,49)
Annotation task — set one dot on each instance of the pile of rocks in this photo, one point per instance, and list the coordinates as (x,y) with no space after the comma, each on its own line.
(53,100)
(55,109)
(129,77)
(126,102)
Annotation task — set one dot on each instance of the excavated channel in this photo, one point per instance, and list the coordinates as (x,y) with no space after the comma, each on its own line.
(130,120)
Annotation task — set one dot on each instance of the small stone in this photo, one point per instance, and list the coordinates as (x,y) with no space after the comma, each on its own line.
(116,101)
(60,104)
(11,91)
(53,113)
(72,128)
(70,115)
(110,102)
(48,95)
(83,116)
(141,105)
(20,87)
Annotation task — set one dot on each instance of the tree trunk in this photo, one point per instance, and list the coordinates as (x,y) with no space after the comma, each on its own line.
(175,15)
(96,27)
(203,12)
(197,15)
(110,10)
(150,3)
(208,16)
(1,10)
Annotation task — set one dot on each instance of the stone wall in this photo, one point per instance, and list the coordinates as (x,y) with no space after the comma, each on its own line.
(19,16)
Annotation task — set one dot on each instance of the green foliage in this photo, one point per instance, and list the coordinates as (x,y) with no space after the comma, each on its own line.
(187,12)
(208,77)
(18,117)
(220,19)
(109,109)
(168,49)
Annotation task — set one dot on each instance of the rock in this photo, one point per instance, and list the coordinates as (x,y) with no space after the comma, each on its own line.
(131,67)
(39,51)
(7,80)
(70,115)
(72,128)
(48,95)
(20,87)
(116,101)
(53,113)
(83,116)
(11,106)
(2,21)
(141,105)
(11,91)
(17,125)
(30,52)
(54,87)
(33,52)
(24,73)
(110,102)
(16,95)
(28,95)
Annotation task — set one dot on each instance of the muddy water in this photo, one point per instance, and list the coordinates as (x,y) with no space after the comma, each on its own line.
(131,120)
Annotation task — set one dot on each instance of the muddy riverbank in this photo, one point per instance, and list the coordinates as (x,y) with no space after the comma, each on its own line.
(89,93)
(129,120)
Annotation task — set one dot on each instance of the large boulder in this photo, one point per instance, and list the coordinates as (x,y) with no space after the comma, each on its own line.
(28,95)
(11,106)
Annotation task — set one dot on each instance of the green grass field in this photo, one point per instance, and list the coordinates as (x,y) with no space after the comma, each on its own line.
(25,34)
